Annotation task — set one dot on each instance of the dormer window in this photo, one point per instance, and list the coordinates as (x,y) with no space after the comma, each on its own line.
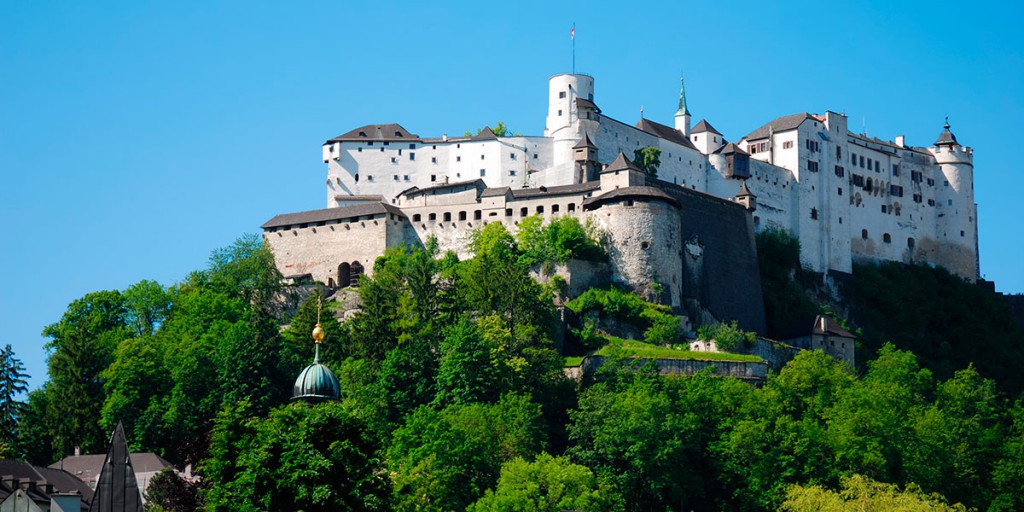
(362,134)
(398,134)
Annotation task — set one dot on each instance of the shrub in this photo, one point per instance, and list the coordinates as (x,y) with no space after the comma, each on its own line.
(727,337)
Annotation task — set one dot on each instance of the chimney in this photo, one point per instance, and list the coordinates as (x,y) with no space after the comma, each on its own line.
(900,141)
(444,136)
(78,451)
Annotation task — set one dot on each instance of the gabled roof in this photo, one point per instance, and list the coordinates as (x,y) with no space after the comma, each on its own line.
(817,324)
(730,148)
(328,214)
(946,138)
(62,481)
(585,142)
(621,163)
(780,124)
(495,192)
(87,467)
(485,134)
(587,104)
(377,132)
(704,126)
(664,132)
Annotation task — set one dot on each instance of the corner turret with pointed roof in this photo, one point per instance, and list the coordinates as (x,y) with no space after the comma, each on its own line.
(683,113)
(746,197)
(584,156)
(946,138)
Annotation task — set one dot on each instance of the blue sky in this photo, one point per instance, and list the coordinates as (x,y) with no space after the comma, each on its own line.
(136,137)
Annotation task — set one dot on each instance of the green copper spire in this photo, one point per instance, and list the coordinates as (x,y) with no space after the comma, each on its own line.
(683,111)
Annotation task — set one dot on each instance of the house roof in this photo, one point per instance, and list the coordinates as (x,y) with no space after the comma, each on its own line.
(640,191)
(780,124)
(494,192)
(377,132)
(87,467)
(744,191)
(731,148)
(61,480)
(485,134)
(621,163)
(816,324)
(328,214)
(704,126)
(664,132)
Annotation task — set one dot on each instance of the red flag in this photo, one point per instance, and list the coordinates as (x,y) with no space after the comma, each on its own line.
(572,33)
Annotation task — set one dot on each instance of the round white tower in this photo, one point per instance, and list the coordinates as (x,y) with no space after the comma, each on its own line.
(957,222)
(563,121)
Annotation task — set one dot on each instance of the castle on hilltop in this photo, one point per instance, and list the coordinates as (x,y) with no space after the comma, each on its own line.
(689,228)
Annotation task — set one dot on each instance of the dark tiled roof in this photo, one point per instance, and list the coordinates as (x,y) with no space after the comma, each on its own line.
(328,214)
(62,481)
(664,132)
(87,467)
(817,324)
(343,197)
(730,148)
(621,163)
(577,188)
(643,192)
(494,192)
(415,191)
(704,126)
(585,142)
(377,132)
(585,103)
(780,124)
(946,138)
(485,134)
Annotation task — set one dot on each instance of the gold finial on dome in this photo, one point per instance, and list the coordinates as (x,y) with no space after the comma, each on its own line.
(318,332)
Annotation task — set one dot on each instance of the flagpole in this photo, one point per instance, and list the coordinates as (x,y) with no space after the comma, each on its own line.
(573,34)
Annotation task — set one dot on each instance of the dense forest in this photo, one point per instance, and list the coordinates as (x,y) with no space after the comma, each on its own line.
(453,395)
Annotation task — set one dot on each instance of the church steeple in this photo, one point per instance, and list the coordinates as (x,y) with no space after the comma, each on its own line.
(683,113)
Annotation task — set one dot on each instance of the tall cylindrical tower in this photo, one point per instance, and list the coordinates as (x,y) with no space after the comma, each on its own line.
(562,122)
(957,221)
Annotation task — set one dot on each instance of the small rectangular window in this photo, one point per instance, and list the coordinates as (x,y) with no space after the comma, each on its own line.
(483,172)
(433,177)
(396,177)
(412,156)
(561,94)
(458,158)
(412,146)
(787,144)
(433,159)
(447,216)
(895,169)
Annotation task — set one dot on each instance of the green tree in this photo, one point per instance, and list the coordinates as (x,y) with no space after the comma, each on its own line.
(467,372)
(168,492)
(863,494)
(12,384)
(500,129)
(648,159)
(30,442)
(148,305)
(548,484)
(301,457)
(444,459)
(1008,475)
(778,259)
(136,384)
(81,346)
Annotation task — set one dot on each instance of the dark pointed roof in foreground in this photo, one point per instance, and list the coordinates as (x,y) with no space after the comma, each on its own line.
(117,490)
(946,138)
(704,126)
(744,191)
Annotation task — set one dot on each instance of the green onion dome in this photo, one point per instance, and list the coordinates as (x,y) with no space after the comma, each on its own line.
(317,382)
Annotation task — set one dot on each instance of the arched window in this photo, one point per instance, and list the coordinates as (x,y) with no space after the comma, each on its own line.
(864,234)
(356,270)
(910,243)
(887,238)
(344,277)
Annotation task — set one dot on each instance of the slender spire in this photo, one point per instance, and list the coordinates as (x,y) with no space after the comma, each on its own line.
(318,332)
(683,111)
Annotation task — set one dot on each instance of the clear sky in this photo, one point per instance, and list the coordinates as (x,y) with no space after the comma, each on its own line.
(136,137)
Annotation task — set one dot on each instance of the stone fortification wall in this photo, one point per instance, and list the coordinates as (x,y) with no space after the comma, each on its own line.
(720,258)
(744,370)
(644,245)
